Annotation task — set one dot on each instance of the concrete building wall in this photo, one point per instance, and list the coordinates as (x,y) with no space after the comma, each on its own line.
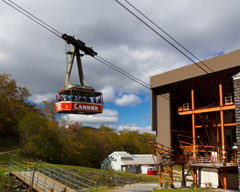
(116,163)
(159,82)
(144,169)
(219,63)
(106,164)
(154,110)
(112,162)
(131,168)
(163,119)
(232,181)
(236,83)
(209,179)
(165,125)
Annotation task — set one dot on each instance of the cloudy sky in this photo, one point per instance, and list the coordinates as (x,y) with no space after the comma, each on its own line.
(36,59)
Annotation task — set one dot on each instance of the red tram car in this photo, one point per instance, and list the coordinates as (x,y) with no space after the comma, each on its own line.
(79,102)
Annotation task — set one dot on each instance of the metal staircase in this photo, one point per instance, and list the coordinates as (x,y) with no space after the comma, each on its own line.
(165,159)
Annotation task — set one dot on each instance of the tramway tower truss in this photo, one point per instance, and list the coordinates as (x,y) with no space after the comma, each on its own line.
(77,46)
(78,99)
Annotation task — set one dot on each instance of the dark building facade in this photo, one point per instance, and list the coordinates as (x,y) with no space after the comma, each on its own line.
(197,114)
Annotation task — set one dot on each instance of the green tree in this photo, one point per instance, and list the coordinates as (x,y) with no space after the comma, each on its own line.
(49,109)
(13,107)
(30,126)
(41,138)
(73,147)
(134,142)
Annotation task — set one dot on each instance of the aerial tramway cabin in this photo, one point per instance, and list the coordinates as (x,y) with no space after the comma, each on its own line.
(76,101)
(196,114)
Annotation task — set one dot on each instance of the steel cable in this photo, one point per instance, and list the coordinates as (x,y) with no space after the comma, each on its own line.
(57,33)
(165,39)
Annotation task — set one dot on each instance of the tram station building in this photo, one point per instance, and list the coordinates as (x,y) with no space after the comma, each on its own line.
(196,113)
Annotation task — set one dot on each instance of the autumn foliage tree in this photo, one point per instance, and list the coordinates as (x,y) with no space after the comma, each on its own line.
(88,146)
(13,107)
(41,135)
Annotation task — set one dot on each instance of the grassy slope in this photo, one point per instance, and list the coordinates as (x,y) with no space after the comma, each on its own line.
(105,178)
(2,149)
(4,158)
(110,178)
(12,155)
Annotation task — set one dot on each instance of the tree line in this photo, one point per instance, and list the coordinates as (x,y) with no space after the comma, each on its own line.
(42,135)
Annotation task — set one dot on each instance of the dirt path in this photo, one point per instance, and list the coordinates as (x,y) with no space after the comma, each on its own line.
(5,152)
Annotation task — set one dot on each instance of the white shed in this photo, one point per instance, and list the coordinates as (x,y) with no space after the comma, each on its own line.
(123,161)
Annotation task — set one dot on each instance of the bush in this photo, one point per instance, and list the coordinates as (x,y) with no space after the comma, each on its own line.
(6,184)
(193,186)
(166,185)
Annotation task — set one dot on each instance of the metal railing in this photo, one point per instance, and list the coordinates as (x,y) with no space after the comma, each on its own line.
(202,160)
(66,177)
(228,99)
(28,175)
(31,175)
(186,106)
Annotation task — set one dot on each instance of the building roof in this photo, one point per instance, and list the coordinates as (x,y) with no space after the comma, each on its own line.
(237,76)
(134,159)
(122,154)
(218,63)
(140,159)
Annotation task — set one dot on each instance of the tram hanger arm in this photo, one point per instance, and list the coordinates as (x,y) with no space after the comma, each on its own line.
(79,45)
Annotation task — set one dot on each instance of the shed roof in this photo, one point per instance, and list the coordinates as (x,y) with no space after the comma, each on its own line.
(134,159)
(140,159)
(122,154)
(218,63)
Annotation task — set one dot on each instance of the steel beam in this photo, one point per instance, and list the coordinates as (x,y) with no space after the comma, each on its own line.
(207,110)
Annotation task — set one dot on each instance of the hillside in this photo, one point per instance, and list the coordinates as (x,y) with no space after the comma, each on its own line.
(104,178)
(43,134)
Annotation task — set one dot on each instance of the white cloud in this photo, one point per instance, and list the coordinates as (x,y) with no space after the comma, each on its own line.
(116,36)
(108,116)
(135,127)
(40,98)
(3,58)
(128,100)
(108,94)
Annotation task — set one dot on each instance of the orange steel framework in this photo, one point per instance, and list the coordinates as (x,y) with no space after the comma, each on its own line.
(165,157)
(195,153)
(209,150)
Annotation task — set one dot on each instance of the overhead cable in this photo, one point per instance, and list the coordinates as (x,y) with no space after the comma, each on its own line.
(57,33)
(155,31)
(126,74)
(118,68)
(38,21)
(114,67)
(171,37)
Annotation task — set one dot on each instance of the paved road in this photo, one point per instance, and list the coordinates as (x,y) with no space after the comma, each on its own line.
(140,187)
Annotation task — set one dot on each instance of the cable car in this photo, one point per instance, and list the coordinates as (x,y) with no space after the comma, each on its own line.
(78,99)
(79,102)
